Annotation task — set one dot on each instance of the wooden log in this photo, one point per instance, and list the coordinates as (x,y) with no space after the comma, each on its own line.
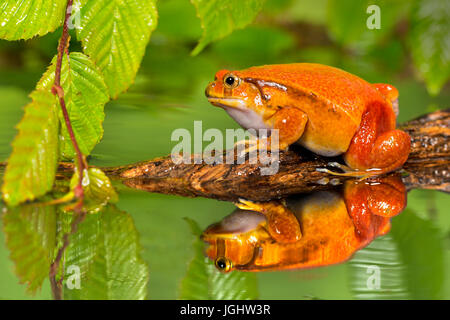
(427,167)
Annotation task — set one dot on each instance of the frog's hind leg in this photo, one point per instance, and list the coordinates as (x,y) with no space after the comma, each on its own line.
(377,147)
(282,224)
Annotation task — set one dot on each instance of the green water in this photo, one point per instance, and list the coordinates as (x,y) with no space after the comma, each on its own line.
(168,94)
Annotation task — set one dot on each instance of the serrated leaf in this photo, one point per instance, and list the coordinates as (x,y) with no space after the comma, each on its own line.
(430,42)
(32,165)
(98,190)
(85,94)
(24,19)
(203,281)
(114,34)
(30,237)
(106,251)
(220,17)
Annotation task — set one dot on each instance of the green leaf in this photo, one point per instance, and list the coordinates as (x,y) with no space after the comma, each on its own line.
(106,251)
(430,42)
(203,281)
(24,19)
(98,190)
(30,237)
(114,34)
(220,17)
(85,94)
(32,165)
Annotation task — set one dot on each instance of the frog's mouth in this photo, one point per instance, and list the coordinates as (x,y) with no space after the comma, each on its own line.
(228,103)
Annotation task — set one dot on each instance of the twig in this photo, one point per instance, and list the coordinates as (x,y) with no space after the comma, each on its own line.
(59,91)
(81,165)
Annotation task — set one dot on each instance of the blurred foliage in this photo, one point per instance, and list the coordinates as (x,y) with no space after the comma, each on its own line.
(220,17)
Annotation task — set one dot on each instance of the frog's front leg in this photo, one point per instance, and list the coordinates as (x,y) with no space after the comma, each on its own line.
(282,224)
(290,122)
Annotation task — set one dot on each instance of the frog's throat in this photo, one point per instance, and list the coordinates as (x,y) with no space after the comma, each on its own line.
(228,103)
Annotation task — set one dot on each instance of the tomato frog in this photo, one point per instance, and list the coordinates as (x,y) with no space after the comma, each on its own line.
(324,109)
(334,225)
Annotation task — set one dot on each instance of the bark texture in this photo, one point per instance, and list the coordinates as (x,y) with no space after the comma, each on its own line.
(427,167)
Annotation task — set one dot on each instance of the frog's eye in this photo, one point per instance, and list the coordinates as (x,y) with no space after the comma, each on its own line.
(230,81)
(223,264)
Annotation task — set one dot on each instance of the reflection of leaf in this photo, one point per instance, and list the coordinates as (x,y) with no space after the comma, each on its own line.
(114,34)
(26,19)
(31,167)
(85,94)
(430,42)
(203,281)
(220,17)
(421,249)
(106,250)
(381,258)
(30,237)
(409,260)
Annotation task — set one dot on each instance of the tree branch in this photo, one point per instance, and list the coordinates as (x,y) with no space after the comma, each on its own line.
(427,167)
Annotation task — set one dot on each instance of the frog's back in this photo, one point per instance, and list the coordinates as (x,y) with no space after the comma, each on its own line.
(334,101)
(340,88)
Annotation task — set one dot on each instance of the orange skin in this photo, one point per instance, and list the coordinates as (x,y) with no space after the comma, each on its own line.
(325,109)
(334,226)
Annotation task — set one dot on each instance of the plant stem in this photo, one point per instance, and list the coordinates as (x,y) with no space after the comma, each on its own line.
(59,91)
(81,165)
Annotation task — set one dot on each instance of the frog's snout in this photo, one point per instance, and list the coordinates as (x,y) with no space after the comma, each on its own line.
(209,89)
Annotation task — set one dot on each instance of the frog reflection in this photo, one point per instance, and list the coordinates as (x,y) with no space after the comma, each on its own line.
(334,224)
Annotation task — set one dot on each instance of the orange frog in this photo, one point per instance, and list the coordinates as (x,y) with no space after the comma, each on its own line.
(324,109)
(334,225)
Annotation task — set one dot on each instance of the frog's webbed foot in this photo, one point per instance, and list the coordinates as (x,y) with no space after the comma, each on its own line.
(282,224)
(349,172)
